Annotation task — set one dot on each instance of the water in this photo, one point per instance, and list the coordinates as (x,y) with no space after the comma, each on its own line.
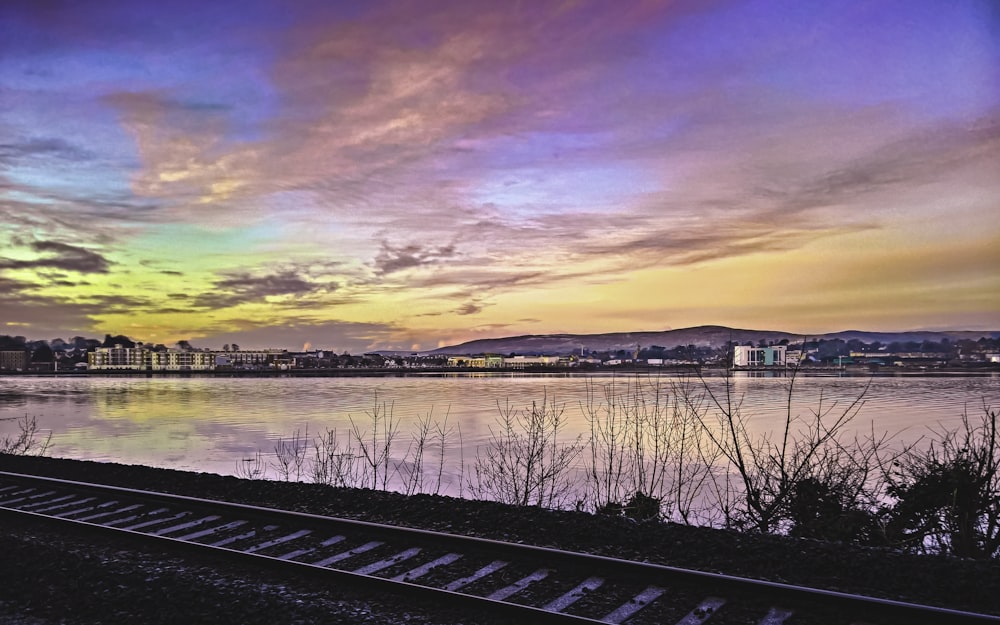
(211,424)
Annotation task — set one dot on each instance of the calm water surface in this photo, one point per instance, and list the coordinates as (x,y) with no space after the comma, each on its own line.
(211,424)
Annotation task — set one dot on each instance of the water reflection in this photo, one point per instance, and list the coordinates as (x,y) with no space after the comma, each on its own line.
(210,424)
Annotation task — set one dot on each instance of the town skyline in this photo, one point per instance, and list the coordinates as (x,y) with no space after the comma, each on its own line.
(556,343)
(706,346)
(405,176)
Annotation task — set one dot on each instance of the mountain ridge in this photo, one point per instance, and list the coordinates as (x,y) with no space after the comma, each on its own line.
(701,336)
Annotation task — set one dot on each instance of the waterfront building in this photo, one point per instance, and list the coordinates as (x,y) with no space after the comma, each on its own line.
(258,358)
(487,362)
(141,358)
(180,360)
(118,357)
(523,362)
(493,361)
(14,359)
(749,356)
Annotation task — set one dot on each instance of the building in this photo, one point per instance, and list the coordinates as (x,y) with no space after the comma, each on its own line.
(524,362)
(117,358)
(257,359)
(749,356)
(139,358)
(180,360)
(14,359)
(492,361)
(487,362)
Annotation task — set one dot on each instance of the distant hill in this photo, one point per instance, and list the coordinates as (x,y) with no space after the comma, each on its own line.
(710,336)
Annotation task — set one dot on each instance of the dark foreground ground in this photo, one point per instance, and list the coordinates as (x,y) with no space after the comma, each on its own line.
(48,576)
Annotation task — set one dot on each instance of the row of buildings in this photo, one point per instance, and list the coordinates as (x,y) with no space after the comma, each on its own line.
(494,361)
(749,357)
(147,358)
(141,358)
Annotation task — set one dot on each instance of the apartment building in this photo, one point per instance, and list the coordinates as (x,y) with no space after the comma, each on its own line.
(180,360)
(14,359)
(139,358)
(117,358)
(254,359)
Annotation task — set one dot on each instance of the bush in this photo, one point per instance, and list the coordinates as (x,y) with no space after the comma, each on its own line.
(947,497)
(639,507)
(642,507)
(822,509)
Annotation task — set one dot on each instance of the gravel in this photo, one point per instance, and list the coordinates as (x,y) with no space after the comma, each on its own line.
(55,576)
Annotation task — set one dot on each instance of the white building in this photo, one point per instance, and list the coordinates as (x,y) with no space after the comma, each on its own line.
(748,356)
(117,358)
(139,358)
(523,362)
(181,360)
(257,359)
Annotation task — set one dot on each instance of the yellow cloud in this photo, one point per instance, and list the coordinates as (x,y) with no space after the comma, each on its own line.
(221,190)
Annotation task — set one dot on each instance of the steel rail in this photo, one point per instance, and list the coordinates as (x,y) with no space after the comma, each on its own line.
(879,609)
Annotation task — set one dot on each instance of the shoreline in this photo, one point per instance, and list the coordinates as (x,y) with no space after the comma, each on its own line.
(709,372)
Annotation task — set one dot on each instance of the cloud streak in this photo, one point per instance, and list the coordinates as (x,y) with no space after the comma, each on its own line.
(55,255)
(246,288)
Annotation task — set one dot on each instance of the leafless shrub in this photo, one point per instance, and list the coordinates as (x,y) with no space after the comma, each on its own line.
(524,463)
(645,446)
(335,463)
(461,462)
(412,469)
(695,458)
(290,456)
(364,456)
(252,468)
(442,434)
(413,460)
(610,472)
(774,469)
(376,451)
(29,441)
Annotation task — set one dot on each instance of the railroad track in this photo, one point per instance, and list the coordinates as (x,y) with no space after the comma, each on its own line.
(523,583)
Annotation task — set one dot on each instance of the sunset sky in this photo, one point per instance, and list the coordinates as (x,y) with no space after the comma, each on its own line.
(406,175)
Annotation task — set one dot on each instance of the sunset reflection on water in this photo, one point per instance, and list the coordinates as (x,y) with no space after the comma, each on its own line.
(211,424)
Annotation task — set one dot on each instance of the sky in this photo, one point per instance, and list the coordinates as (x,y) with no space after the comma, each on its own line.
(408,175)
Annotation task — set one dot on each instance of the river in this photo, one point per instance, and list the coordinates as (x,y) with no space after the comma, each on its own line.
(214,424)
